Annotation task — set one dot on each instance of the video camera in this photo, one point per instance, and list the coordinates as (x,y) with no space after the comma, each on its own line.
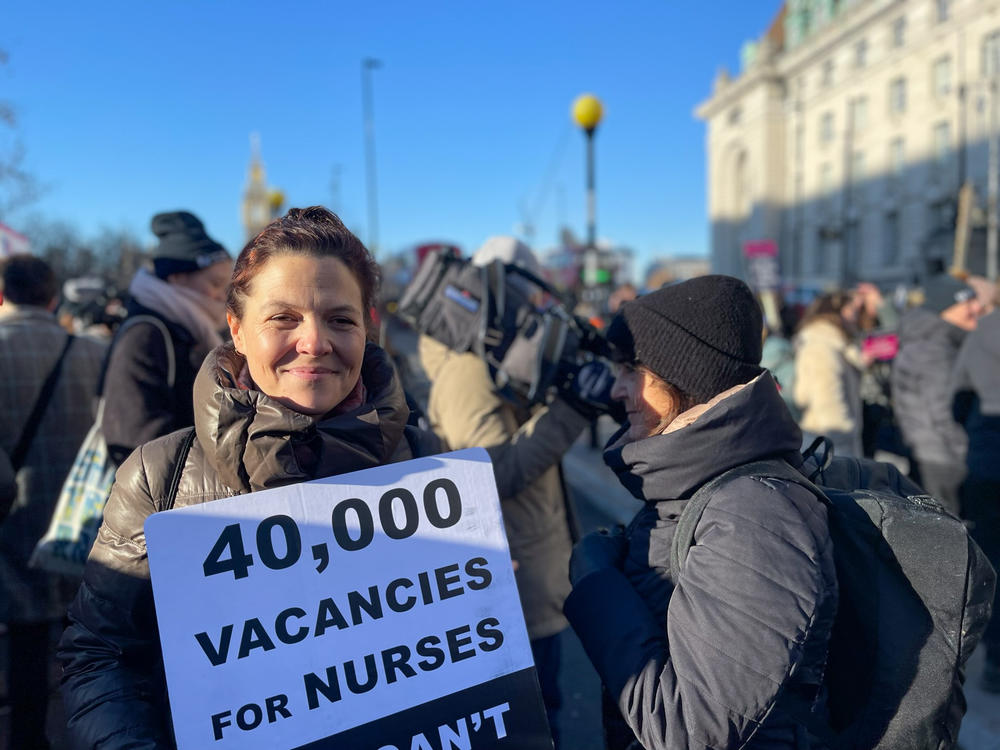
(494,311)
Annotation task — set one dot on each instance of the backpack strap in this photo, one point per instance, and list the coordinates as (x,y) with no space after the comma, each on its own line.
(168,343)
(175,477)
(695,507)
(20,451)
(798,706)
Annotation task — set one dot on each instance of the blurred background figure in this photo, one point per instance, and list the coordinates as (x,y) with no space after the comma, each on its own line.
(976,383)
(828,365)
(624,293)
(40,432)
(930,337)
(986,292)
(778,355)
(89,305)
(186,291)
(466,409)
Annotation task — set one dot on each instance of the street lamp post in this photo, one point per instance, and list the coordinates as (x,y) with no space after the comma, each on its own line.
(367,66)
(587,112)
(993,187)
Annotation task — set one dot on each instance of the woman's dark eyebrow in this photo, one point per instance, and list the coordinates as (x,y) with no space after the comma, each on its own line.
(279,304)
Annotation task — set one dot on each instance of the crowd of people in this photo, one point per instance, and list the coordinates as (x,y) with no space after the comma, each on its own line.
(218,377)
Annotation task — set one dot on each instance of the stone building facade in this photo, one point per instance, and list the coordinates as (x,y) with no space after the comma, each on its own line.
(847,135)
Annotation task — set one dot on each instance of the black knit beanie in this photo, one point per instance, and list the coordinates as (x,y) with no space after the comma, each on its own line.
(943,291)
(184,245)
(703,336)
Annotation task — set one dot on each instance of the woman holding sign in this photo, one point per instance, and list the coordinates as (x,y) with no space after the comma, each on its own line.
(301,393)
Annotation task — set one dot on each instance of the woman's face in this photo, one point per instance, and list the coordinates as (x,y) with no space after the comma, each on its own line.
(648,405)
(210,282)
(303,332)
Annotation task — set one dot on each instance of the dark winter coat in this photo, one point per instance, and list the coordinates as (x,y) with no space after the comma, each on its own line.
(702,660)
(30,342)
(976,384)
(140,405)
(113,682)
(921,388)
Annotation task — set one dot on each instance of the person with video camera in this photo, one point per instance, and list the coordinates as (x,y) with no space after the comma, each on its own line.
(466,409)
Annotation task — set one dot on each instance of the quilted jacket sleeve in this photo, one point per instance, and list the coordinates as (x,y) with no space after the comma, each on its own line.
(754,603)
(112,684)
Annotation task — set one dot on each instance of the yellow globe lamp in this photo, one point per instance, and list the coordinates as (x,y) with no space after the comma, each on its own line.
(587,112)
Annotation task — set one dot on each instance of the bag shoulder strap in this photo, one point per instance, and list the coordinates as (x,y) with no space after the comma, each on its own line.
(175,477)
(695,506)
(20,451)
(168,341)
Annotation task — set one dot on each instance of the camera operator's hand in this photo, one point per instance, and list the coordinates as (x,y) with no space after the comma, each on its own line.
(597,551)
(590,391)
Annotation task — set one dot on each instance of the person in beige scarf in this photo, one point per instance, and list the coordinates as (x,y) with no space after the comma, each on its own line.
(185,293)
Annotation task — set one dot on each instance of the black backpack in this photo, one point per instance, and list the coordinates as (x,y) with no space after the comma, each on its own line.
(915,597)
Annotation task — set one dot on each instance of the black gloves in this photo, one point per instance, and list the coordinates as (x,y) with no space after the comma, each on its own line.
(589,391)
(597,551)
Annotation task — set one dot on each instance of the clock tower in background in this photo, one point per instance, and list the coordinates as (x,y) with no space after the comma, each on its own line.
(260,204)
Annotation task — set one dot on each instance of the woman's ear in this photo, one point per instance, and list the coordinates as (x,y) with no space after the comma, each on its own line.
(235,330)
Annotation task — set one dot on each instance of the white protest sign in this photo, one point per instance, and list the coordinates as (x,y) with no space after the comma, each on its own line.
(370,610)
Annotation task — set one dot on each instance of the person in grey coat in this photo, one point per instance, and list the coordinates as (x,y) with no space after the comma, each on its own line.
(699,658)
(930,337)
(976,384)
(33,601)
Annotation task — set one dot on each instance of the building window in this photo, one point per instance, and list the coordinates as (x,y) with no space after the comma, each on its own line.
(891,244)
(897,159)
(942,143)
(826,185)
(861,54)
(991,55)
(741,185)
(853,237)
(897,96)
(941,77)
(857,166)
(734,116)
(859,113)
(828,248)
(942,10)
(826,127)
(827,74)
(899,32)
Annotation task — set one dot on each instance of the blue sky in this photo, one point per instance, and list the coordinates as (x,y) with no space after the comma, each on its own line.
(126,109)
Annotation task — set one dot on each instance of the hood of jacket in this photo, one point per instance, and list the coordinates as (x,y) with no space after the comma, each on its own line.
(751,423)
(254,443)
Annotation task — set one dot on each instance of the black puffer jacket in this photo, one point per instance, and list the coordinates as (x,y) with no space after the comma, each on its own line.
(703,661)
(140,405)
(922,391)
(113,683)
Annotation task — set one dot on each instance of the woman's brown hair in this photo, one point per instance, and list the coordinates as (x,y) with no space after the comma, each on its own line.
(313,231)
(828,306)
